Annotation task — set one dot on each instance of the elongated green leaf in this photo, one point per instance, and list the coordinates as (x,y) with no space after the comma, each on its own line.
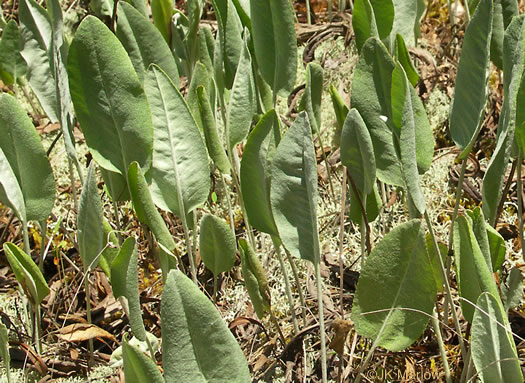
(110,104)
(313,91)
(514,65)
(364,22)
(116,184)
(10,192)
(255,172)
(405,129)
(229,40)
(405,60)
(436,267)
(357,152)
(200,78)
(497,248)
(10,59)
(111,249)
(4,350)
(140,5)
(371,97)
(22,148)
(406,21)
(293,191)
(480,232)
(144,43)
(504,11)
(399,267)
(242,99)
(254,279)
(470,91)
(275,43)
(125,283)
(512,290)
(138,368)
(162,12)
(36,29)
(493,349)
(197,345)
(145,208)
(206,48)
(472,272)
(211,136)
(27,273)
(90,222)
(102,8)
(180,162)
(341,111)
(217,244)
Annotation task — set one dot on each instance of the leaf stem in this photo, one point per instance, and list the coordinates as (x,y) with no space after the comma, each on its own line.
(298,283)
(341,239)
(229,203)
(442,350)
(317,267)
(520,203)
(88,312)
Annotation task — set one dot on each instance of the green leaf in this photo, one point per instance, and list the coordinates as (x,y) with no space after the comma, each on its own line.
(364,22)
(27,273)
(406,20)
(504,11)
(10,192)
(102,8)
(373,205)
(116,184)
(36,30)
(479,228)
(313,92)
(140,5)
(22,148)
(357,152)
(206,48)
(111,249)
(217,244)
(180,168)
(144,43)
(371,88)
(275,44)
(511,116)
(493,349)
(341,111)
(404,59)
(472,272)
(197,345)
(162,12)
(109,101)
(145,208)
(497,248)
(138,368)
(125,283)
(404,123)
(200,78)
(211,136)
(242,99)
(436,266)
(512,289)
(254,279)
(400,268)
(470,92)
(255,172)
(4,350)
(10,59)
(293,191)
(90,222)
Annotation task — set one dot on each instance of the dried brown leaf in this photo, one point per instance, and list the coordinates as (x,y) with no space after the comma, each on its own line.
(80,332)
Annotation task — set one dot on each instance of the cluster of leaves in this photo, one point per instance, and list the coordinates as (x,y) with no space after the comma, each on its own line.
(120,78)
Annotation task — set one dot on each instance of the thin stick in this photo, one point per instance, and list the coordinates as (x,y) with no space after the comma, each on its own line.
(325,159)
(442,350)
(25,233)
(229,203)
(276,323)
(43,229)
(308,14)
(298,283)
(341,238)
(321,320)
(72,180)
(520,203)
(214,289)
(287,288)
(88,312)
(505,191)
(363,228)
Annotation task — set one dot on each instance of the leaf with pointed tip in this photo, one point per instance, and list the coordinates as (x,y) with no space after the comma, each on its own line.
(197,345)
(293,191)
(111,249)
(493,348)
(511,113)
(125,283)
(36,30)
(341,111)
(470,92)
(139,368)
(242,103)
(162,12)
(10,192)
(109,101)
(180,162)
(102,8)
(200,78)
(472,272)
(217,244)
(211,136)
(405,60)
(480,232)
(206,48)
(144,43)
(90,222)
(512,289)
(357,152)
(400,268)
(504,11)
(27,273)
(313,91)
(406,22)
(364,22)
(275,43)
(255,172)
(23,150)
(405,129)
(10,59)
(497,248)
(254,279)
